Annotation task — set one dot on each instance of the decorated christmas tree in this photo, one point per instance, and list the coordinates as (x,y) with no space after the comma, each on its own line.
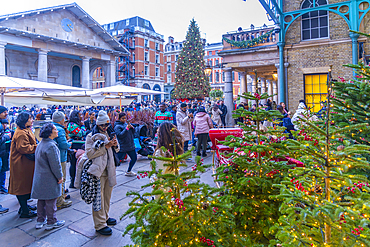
(325,204)
(257,163)
(180,211)
(191,81)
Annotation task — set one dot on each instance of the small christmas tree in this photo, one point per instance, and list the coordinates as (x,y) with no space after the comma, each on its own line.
(180,211)
(257,163)
(325,205)
(191,81)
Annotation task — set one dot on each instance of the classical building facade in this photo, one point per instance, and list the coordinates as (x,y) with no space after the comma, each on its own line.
(217,76)
(310,38)
(61,44)
(145,67)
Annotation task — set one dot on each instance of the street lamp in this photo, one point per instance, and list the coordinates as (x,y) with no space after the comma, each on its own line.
(208,70)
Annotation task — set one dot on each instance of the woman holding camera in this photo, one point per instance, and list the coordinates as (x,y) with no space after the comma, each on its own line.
(98,148)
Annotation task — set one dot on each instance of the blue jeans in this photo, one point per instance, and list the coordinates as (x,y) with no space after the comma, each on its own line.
(133,156)
(4,167)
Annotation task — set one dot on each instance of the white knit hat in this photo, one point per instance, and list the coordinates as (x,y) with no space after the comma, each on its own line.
(102,118)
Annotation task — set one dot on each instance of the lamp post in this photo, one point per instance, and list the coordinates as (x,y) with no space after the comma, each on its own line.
(208,70)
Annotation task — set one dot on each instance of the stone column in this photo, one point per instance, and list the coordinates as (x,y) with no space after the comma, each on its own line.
(110,78)
(229,96)
(250,79)
(270,90)
(86,73)
(275,91)
(2,58)
(42,67)
(243,86)
(263,88)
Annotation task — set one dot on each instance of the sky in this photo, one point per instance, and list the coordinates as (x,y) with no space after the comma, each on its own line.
(168,17)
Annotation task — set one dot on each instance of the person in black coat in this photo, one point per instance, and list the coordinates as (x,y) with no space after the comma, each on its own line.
(223,108)
(90,123)
(125,135)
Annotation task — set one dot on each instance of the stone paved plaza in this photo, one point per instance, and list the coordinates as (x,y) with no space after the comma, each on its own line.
(79,228)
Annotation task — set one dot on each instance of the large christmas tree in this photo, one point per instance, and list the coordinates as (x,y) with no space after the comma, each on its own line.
(191,81)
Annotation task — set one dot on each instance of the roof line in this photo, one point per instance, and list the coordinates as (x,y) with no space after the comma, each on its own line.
(66,6)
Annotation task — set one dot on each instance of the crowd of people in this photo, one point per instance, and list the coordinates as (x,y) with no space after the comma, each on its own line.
(94,141)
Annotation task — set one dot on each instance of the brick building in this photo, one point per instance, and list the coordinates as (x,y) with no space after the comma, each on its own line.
(145,67)
(217,77)
(310,37)
(60,44)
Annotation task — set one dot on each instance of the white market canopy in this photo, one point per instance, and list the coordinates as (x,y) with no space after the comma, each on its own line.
(11,84)
(122,90)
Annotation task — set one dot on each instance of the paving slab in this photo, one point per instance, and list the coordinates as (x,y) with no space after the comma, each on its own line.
(70,215)
(119,192)
(83,207)
(125,222)
(11,220)
(137,183)
(85,227)
(115,239)
(15,237)
(119,208)
(62,238)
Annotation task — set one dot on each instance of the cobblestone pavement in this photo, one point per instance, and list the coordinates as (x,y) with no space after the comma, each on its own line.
(79,228)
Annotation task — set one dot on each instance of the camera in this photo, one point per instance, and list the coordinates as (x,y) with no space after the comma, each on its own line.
(98,144)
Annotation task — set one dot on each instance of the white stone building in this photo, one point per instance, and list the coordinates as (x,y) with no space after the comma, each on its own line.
(61,44)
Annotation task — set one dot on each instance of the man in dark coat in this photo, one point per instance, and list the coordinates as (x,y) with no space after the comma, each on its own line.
(3,166)
(90,123)
(223,108)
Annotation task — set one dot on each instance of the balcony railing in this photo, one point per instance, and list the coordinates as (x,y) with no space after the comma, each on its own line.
(240,39)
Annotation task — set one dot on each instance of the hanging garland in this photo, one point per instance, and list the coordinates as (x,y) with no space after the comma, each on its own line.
(248,43)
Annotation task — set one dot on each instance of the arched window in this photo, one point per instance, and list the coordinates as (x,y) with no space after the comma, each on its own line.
(76,75)
(315,24)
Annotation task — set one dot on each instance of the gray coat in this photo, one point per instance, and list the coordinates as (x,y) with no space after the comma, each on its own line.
(48,171)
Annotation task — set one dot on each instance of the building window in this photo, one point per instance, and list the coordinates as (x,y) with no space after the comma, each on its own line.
(315,90)
(156,71)
(217,79)
(169,59)
(133,71)
(176,57)
(114,33)
(146,70)
(156,58)
(210,77)
(210,53)
(146,23)
(146,43)
(133,57)
(133,43)
(239,77)
(315,24)
(210,62)
(111,26)
(223,76)
(169,78)
(232,76)
(146,56)
(216,62)
(127,22)
(157,46)
(168,68)
(76,75)
(105,27)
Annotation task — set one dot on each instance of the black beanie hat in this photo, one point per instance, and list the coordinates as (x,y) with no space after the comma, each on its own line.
(2,109)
